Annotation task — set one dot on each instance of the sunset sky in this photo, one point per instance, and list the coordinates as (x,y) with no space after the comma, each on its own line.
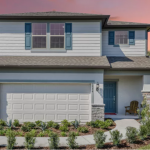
(122,10)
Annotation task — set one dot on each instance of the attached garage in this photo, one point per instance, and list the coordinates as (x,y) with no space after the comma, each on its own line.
(45,101)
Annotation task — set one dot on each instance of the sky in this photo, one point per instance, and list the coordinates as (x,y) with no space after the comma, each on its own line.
(120,10)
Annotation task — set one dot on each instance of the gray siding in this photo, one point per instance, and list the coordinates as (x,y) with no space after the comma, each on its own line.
(85,40)
(139,49)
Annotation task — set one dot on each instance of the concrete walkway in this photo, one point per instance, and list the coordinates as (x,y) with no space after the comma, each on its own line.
(81,140)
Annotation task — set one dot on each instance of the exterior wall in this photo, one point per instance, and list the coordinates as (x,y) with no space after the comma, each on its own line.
(128,89)
(98,112)
(139,49)
(146,83)
(86,40)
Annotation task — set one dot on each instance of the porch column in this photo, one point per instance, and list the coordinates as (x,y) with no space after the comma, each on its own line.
(146,87)
(98,103)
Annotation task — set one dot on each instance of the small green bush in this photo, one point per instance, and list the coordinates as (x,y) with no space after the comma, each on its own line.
(55,125)
(11,139)
(29,141)
(41,134)
(63,128)
(83,129)
(25,129)
(77,133)
(88,123)
(2,122)
(43,126)
(65,123)
(116,137)
(1,127)
(16,123)
(30,125)
(2,132)
(143,131)
(9,124)
(50,124)
(94,124)
(71,140)
(75,123)
(53,140)
(148,126)
(38,123)
(63,134)
(33,132)
(99,138)
(19,133)
(131,134)
(109,122)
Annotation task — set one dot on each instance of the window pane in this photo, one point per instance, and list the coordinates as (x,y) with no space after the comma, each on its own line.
(39,28)
(121,37)
(57,42)
(57,28)
(39,42)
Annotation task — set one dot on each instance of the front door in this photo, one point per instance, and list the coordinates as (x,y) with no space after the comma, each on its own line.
(110,96)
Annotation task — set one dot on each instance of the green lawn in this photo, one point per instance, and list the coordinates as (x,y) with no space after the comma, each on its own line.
(145,147)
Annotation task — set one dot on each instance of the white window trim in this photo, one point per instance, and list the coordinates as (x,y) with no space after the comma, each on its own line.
(39,35)
(122,44)
(58,36)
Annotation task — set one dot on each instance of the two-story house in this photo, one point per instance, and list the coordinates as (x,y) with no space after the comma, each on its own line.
(58,65)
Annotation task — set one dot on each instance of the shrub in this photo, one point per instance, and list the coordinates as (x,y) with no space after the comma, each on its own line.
(53,140)
(109,121)
(33,132)
(115,137)
(1,127)
(50,124)
(63,128)
(131,134)
(19,133)
(2,122)
(93,124)
(71,140)
(75,123)
(63,134)
(30,124)
(143,131)
(99,138)
(55,125)
(16,123)
(25,129)
(88,123)
(2,132)
(83,129)
(104,125)
(65,123)
(148,126)
(11,139)
(41,134)
(29,141)
(43,126)
(38,123)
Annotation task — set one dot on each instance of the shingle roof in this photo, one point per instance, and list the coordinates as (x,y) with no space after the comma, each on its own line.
(110,22)
(139,63)
(54,62)
(50,13)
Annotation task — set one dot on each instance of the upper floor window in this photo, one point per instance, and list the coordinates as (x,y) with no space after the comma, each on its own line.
(39,31)
(121,37)
(57,35)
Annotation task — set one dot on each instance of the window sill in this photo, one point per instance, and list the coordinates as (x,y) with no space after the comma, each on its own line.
(48,51)
(121,45)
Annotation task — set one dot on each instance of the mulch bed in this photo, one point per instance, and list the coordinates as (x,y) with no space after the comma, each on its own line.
(123,145)
(71,129)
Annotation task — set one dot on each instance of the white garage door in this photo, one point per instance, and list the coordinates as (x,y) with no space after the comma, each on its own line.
(31,102)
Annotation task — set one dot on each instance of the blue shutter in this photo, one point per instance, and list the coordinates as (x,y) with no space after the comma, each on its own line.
(131,37)
(111,37)
(68,40)
(28,36)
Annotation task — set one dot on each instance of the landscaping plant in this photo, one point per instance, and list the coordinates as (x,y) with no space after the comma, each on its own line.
(65,123)
(50,124)
(131,134)
(29,141)
(38,123)
(11,139)
(63,128)
(41,134)
(25,129)
(75,123)
(16,123)
(99,138)
(71,140)
(9,123)
(1,127)
(43,126)
(116,137)
(30,125)
(55,125)
(83,129)
(53,140)
(143,132)
(2,122)
(63,134)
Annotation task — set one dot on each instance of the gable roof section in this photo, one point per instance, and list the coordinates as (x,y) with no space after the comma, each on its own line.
(129,63)
(90,62)
(53,15)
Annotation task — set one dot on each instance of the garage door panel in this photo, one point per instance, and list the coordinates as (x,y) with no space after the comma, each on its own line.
(31,102)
